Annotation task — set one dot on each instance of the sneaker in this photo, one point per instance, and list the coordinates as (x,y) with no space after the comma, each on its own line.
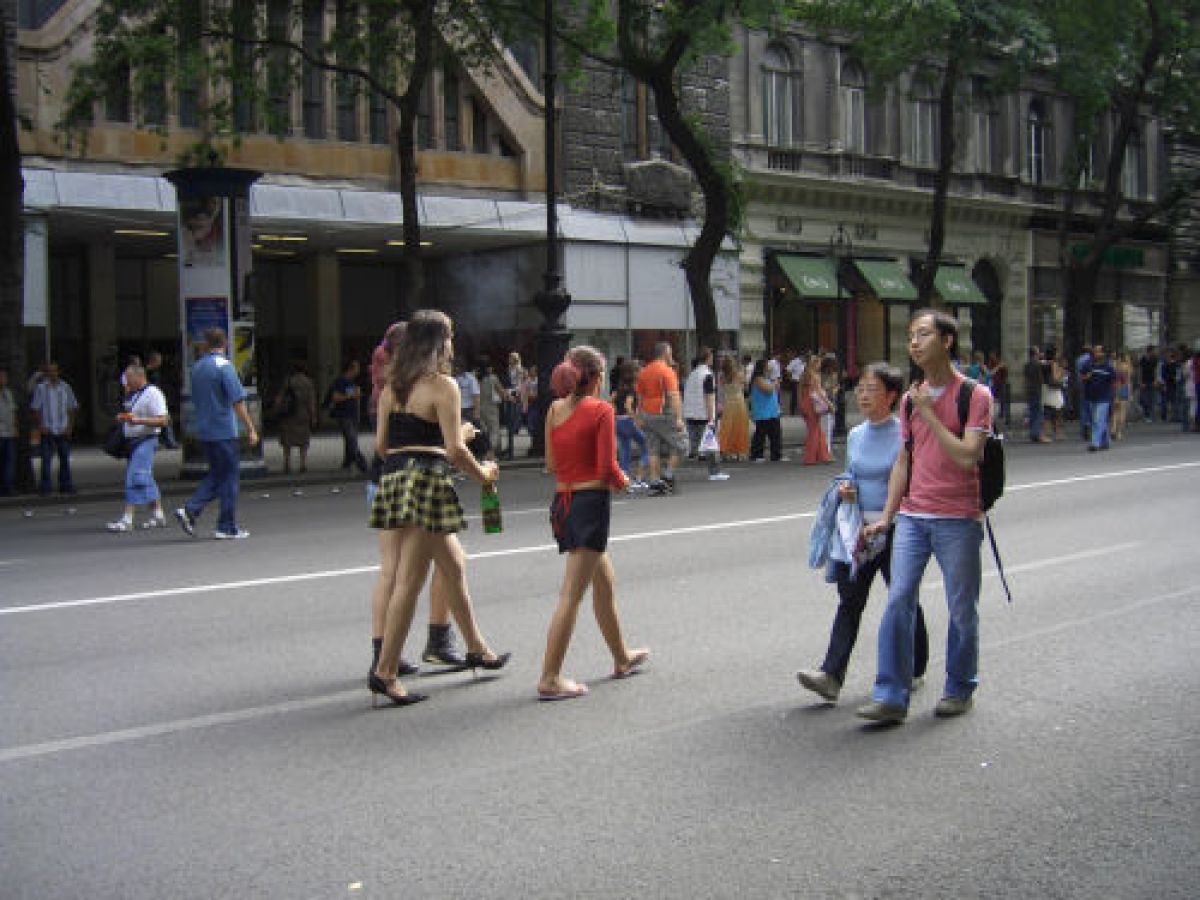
(121,525)
(719,476)
(949,707)
(154,522)
(821,683)
(240,534)
(882,712)
(186,521)
(669,481)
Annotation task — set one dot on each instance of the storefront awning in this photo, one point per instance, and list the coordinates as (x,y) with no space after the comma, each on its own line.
(813,277)
(887,280)
(956,287)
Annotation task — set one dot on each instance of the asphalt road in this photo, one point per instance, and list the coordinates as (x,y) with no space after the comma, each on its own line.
(185,718)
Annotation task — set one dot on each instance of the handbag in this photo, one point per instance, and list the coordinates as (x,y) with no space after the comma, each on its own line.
(116,444)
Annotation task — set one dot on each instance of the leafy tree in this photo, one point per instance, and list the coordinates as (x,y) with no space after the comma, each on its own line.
(237,59)
(946,41)
(1122,62)
(658,44)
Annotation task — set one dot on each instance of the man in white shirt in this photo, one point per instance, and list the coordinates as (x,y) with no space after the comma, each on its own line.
(54,407)
(145,415)
(700,409)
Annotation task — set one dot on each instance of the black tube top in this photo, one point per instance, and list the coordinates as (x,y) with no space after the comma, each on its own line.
(407,430)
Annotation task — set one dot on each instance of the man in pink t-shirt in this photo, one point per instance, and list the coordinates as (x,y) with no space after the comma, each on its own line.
(933,502)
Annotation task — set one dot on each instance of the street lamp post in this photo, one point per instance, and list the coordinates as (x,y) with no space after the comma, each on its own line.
(841,249)
(552,300)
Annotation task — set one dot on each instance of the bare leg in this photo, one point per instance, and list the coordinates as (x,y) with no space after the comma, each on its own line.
(385,583)
(451,575)
(411,572)
(604,605)
(581,566)
(439,609)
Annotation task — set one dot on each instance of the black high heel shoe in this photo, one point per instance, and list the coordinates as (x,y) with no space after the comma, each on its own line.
(477,661)
(378,686)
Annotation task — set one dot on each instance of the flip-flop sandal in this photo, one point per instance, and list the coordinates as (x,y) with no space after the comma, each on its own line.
(635,665)
(580,690)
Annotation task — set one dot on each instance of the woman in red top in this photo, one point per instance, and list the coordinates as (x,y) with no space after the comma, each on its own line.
(581,454)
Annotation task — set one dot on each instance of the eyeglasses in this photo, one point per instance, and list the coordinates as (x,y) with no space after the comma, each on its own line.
(920,335)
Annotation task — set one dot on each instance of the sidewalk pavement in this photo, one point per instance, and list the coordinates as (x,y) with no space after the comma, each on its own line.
(99,477)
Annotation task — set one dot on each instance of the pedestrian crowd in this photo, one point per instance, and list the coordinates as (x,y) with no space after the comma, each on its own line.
(910,490)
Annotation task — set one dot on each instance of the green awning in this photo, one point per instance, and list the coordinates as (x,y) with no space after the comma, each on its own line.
(813,277)
(887,280)
(956,287)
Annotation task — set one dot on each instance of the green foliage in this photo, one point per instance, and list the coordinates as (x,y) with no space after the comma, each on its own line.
(239,57)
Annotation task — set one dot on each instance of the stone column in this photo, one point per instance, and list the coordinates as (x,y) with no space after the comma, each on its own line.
(103,395)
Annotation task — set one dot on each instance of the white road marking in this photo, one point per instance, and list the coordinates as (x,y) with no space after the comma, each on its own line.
(125,735)
(518,551)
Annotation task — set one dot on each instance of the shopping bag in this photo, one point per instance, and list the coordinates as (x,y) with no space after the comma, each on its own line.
(709,442)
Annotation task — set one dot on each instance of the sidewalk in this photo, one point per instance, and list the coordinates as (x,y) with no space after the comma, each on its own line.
(99,477)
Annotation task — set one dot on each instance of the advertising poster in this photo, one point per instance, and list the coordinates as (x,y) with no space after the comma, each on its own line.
(202,232)
(243,353)
(203,313)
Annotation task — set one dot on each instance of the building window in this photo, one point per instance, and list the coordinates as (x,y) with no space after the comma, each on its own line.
(781,98)
(314,77)
(242,89)
(642,135)
(450,112)
(1039,131)
(479,126)
(528,54)
(924,125)
(187,93)
(1133,169)
(154,99)
(983,128)
(279,82)
(854,108)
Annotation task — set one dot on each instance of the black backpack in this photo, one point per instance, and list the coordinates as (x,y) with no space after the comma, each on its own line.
(991,467)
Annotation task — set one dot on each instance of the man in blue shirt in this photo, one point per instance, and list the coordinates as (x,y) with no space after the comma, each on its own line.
(219,400)
(1098,380)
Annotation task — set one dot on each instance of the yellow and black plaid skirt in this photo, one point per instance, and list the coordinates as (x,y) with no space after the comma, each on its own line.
(417,490)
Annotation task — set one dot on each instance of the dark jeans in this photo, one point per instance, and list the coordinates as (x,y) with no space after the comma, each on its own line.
(8,464)
(220,483)
(511,413)
(351,454)
(767,430)
(852,600)
(60,444)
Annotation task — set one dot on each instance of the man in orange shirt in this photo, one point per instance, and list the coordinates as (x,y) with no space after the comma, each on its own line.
(662,414)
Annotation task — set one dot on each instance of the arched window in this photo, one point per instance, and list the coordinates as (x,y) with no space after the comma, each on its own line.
(1039,129)
(923,133)
(781,97)
(854,108)
(984,137)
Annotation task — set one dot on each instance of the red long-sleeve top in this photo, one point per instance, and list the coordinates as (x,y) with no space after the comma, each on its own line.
(584,445)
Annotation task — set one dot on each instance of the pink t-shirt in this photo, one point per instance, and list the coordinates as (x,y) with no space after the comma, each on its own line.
(938,486)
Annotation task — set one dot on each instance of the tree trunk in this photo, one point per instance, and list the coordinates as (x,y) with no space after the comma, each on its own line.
(698,263)
(424,31)
(947,147)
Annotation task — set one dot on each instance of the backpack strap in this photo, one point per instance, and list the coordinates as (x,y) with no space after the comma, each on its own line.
(964,404)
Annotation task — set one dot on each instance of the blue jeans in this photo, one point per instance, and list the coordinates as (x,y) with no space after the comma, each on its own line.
(220,483)
(140,486)
(954,543)
(8,465)
(629,434)
(60,444)
(1085,418)
(1099,412)
(1036,417)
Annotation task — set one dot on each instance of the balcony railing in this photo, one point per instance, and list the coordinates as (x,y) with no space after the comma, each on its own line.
(785,160)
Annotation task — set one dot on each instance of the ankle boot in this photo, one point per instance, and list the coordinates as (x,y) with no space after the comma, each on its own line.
(440,648)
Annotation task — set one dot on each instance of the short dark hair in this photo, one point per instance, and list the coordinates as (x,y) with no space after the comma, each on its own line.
(891,377)
(945,324)
(215,338)
(661,349)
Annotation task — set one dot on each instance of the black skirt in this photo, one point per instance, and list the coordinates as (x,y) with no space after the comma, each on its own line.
(580,520)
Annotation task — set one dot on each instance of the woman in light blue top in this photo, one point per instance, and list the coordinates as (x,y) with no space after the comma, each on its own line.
(871,451)
(764,410)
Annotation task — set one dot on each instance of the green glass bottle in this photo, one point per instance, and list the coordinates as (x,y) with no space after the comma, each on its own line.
(489,504)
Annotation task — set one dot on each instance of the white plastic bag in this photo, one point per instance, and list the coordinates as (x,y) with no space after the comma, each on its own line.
(709,442)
